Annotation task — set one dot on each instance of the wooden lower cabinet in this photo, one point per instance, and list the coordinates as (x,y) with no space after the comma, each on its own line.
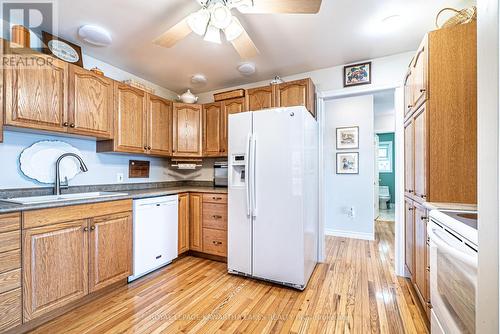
(421,273)
(409,237)
(110,250)
(68,253)
(183,241)
(195,222)
(10,309)
(55,262)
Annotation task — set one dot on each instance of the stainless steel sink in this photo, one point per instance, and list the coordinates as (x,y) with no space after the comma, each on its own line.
(61,198)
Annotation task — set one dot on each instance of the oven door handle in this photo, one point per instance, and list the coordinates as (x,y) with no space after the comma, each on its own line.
(440,242)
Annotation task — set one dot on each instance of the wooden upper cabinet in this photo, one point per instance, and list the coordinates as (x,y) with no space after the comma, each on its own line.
(408,87)
(297,93)
(419,75)
(90,110)
(187,134)
(159,126)
(36,95)
(229,107)
(55,267)
(110,250)
(212,137)
(195,222)
(183,241)
(420,152)
(130,117)
(261,98)
(409,158)
(409,237)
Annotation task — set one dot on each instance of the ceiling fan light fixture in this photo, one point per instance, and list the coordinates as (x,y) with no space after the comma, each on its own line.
(220,15)
(212,35)
(198,21)
(234,30)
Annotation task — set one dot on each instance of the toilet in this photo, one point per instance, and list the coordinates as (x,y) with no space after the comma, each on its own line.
(384,197)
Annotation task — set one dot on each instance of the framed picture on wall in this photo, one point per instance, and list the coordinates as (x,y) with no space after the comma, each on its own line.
(348,138)
(358,74)
(348,163)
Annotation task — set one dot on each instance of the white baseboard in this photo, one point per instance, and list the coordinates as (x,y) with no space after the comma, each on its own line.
(347,234)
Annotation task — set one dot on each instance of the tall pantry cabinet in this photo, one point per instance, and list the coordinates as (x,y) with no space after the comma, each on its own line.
(440,137)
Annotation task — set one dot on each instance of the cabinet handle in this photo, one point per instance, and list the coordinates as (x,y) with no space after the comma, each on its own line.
(217,217)
(423,218)
(409,106)
(410,209)
(72,125)
(85,229)
(423,196)
(145,147)
(65,124)
(217,198)
(217,242)
(422,90)
(428,268)
(92,228)
(410,191)
(149,148)
(429,305)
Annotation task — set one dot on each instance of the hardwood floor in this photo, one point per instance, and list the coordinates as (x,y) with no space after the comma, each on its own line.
(355,291)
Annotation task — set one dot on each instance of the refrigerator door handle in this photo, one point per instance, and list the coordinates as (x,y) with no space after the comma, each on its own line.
(247,176)
(254,175)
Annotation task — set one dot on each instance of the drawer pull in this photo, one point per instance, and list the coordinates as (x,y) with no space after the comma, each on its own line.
(215,242)
(217,217)
(217,198)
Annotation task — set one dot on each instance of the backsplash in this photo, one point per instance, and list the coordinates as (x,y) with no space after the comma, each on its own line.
(103,167)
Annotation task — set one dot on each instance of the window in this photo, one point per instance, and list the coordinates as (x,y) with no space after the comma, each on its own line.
(385,157)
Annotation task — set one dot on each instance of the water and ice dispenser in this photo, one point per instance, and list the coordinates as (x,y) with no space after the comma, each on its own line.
(238,172)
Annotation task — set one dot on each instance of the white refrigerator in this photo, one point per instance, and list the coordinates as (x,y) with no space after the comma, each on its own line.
(273,209)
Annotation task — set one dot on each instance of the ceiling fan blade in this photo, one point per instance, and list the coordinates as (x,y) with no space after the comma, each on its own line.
(245,46)
(282,6)
(174,34)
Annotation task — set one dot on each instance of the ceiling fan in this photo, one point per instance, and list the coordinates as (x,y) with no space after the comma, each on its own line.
(215,16)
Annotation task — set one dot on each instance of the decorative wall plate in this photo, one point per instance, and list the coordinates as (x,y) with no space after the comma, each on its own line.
(38,162)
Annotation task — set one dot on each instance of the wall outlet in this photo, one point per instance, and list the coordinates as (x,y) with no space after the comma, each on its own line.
(119,177)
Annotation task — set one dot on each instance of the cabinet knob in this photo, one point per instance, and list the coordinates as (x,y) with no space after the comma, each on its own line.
(410,209)
(149,148)
(65,124)
(409,106)
(217,217)
(422,90)
(92,228)
(145,147)
(423,218)
(423,196)
(428,268)
(85,229)
(410,191)
(72,125)
(217,198)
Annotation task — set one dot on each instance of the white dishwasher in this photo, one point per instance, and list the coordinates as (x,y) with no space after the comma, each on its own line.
(155,233)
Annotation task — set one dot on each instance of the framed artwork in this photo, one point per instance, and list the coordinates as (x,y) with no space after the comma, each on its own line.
(348,138)
(358,74)
(62,49)
(348,163)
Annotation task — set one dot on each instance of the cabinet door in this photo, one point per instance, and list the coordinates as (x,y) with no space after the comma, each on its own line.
(420,155)
(212,118)
(55,267)
(130,117)
(90,110)
(420,75)
(409,237)
(159,126)
(408,92)
(261,98)
(187,130)
(195,222)
(421,252)
(296,93)
(110,250)
(409,158)
(230,107)
(36,95)
(183,242)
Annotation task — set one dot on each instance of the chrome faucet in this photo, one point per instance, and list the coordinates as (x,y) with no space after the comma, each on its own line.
(83,168)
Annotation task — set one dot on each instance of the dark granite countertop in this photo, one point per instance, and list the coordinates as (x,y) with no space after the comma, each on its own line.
(6,207)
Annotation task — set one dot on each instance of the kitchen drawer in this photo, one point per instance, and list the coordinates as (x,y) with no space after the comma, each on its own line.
(215,198)
(10,280)
(10,241)
(10,260)
(10,309)
(215,216)
(214,242)
(10,222)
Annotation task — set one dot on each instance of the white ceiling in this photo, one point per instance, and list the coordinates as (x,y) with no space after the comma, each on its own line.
(343,32)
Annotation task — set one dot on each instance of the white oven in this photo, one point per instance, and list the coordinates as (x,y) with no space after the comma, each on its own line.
(453,267)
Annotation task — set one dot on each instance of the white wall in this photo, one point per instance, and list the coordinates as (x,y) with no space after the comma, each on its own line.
(345,191)
(103,167)
(385,72)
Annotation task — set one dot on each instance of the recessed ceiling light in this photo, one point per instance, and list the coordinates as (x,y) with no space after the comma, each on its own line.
(198,79)
(95,35)
(246,68)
